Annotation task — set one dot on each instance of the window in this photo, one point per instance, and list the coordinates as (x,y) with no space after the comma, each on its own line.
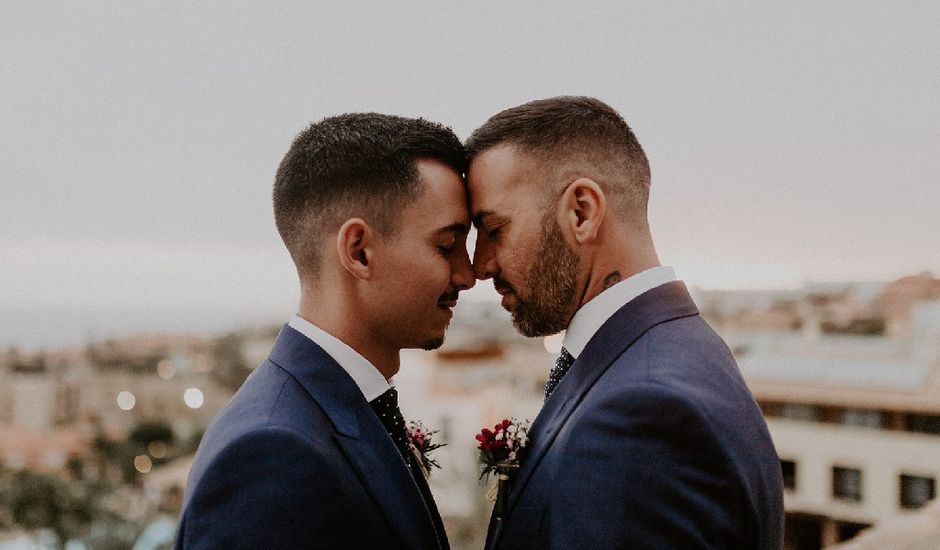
(847,484)
(795,411)
(861,418)
(770,408)
(916,491)
(846,530)
(829,414)
(924,423)
(788,468)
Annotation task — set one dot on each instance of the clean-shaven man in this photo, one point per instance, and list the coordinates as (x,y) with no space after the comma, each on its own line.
(312,451)
(648,437)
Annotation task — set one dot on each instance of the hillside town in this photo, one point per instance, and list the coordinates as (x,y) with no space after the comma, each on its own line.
(96,442)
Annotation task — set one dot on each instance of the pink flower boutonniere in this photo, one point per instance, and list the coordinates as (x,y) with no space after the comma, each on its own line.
(421,445)
(500,451)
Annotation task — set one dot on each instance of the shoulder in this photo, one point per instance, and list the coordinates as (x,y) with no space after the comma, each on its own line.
(270,455)
(647,405)
(263,440)
(678,398)
(680,384)
(270,422)
(270,397)
(680,343)
(681,364)
(270,466)
(269,487)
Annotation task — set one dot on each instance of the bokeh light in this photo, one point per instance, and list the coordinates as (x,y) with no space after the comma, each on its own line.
(166,369)
(142,463)
(201,363)
(193,398)
(126,400)
(157,449)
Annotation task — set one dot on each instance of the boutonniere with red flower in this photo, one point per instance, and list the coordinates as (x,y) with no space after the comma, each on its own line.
(500,451)
(421,444)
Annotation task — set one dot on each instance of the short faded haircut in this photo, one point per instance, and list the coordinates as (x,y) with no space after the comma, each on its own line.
(571,137)
(354,165)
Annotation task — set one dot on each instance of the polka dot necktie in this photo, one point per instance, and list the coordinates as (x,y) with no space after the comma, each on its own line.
(386,408)
(562,364)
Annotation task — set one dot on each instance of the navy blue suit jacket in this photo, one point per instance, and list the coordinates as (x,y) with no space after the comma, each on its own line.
(652,440)
(299,460)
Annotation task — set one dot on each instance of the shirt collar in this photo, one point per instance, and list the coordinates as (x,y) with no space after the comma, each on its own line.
(370,381)
(592,315)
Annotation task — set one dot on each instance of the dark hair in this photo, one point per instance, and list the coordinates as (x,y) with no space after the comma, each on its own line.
(571,135)
(354,165)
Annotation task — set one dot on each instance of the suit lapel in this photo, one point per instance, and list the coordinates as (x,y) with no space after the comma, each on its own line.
(656,306)
(388,479)
(429,502)
(361,436)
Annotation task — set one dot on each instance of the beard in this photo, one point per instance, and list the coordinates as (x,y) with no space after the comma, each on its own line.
(552,282)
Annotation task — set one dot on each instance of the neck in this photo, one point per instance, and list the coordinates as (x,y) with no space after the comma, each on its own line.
(337,320)
(607,269)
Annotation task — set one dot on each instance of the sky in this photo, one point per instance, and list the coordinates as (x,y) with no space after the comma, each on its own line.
(789,142)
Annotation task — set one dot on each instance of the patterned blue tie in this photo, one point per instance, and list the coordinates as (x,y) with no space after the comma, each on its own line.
(562,364)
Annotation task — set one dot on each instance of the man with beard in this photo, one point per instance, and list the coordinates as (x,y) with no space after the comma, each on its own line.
(649,437)
(312,451)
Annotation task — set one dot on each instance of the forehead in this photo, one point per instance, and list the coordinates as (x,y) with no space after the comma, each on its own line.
(442,200)
(501,177)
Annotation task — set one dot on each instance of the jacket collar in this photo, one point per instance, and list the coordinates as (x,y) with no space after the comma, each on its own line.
(363,439)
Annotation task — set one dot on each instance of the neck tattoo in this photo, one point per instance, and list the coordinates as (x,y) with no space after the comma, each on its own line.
(611,279)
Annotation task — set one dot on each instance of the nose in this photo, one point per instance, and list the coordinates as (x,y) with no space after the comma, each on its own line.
(484,260)
(461,275)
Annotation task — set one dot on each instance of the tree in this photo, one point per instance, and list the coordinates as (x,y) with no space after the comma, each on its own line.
(40,501)
(231,369)
(6,488)
(148,432)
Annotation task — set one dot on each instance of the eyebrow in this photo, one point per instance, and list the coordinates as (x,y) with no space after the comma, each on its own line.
(454,227)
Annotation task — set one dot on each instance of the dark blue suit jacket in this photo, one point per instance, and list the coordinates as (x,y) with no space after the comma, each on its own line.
(652,440)
(299,460)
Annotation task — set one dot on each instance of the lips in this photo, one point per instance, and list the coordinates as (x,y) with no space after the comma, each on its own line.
(448,300)
(502,287)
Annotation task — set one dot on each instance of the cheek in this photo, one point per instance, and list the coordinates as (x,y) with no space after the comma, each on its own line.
(433,276)
(514,260)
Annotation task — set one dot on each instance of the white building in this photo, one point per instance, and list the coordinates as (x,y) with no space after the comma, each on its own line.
(856,423)
(484,373)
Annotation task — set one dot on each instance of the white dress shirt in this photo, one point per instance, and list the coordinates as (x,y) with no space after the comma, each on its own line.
(592,315)
(370,381)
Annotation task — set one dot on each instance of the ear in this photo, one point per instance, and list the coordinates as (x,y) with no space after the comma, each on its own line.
(582,210)
(355,246)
